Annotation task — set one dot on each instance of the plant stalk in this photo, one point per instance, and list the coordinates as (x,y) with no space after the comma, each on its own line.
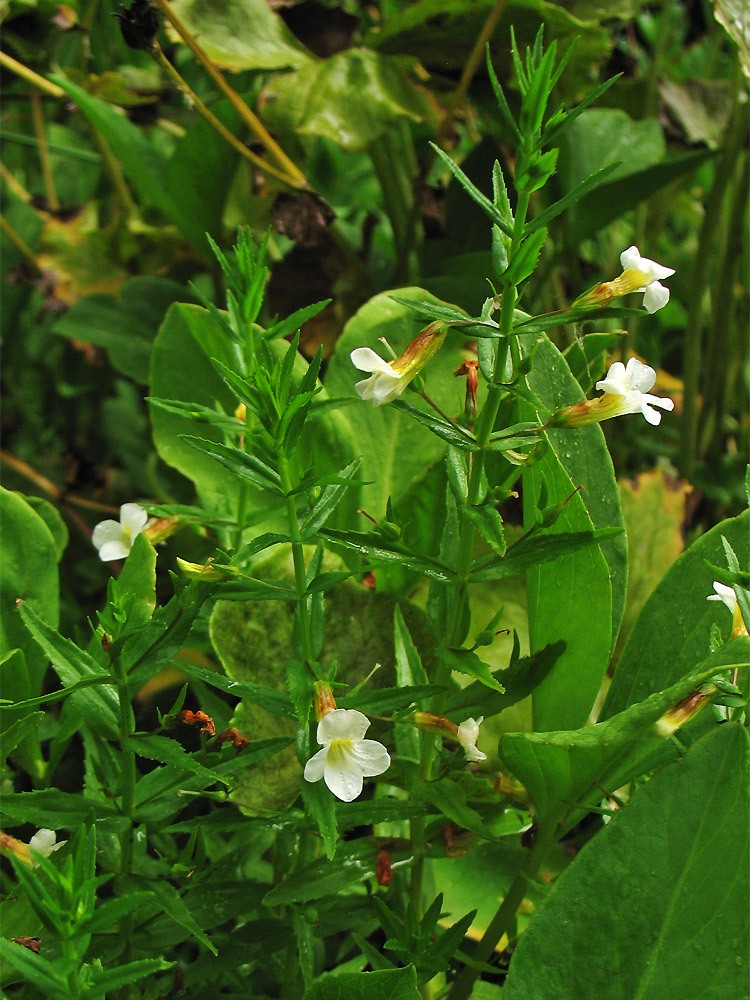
(298,179)
(501,922)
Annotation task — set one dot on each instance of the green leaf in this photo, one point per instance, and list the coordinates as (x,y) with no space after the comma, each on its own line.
(245,34)
(533,550)
(203,166)
(105,980)
(112,910)
(609,201)
(98,706)
(491,210)
(35,969)
(137,581)
(168,751)
(142,163)
(673,630)
(47,807)
(524,262)
(240,463)
(583,454)
(488,522)
(352,98)
(354,862)
(327,502)
(451,433)
(12,735)
(387,984)
(28,572)
(732,15)
(467,662)
(321,806)
(564,772)
(665,885)
(51,517)
(259,694)
(125,324)
(589,183)
(518,681)
(176,908)
(379,551)
(450,799)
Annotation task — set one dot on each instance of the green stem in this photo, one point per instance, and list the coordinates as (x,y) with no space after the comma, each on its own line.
(128,773)
(298,557)
(501,922)
(694,360)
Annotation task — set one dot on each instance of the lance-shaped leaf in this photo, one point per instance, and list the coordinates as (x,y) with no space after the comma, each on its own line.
(380,551)
(467,662)
(492,211)
(586,185)
(449,432)
(246,466)
(534,549)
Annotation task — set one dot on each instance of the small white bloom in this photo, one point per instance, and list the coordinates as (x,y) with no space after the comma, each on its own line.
(467,736)
(114,539)
(384,384)
(44,843)
(346,757)
(631,383)
(724,594)
(647,275)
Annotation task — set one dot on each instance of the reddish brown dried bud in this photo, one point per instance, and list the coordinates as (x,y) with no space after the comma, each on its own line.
(202,722)
(384,868)
(233,736)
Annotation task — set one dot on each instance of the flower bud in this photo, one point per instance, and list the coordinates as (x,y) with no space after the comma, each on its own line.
(684,712)
(324,700)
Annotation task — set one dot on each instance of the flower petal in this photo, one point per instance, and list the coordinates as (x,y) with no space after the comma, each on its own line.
(343,775)
(648,402)
(117,549)
(639,376)
(616,380)
(107,531)
(655,297)
(133,517)
(372,757)
(367,360)
(342,724)
(315,767)
(724,594)
(630,259)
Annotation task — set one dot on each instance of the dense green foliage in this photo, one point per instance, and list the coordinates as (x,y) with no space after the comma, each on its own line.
(212,212)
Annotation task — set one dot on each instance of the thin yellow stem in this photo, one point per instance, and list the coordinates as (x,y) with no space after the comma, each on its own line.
(472,64)
(53,202)
(14,184)
(214,122)
(112,165)
(17,241)
(28,74)
(250,119)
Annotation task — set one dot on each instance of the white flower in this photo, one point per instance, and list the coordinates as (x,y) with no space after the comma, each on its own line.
(346,757)
(631,384)
(467,736)
(384,384)
(44,843)
(645,276)
(114,539)
(724,594)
